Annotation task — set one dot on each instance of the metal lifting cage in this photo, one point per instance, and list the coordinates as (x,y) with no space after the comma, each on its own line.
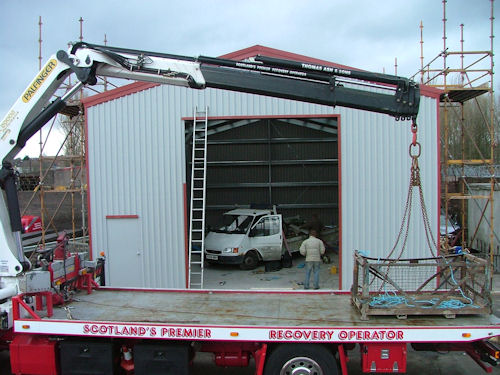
(448,285)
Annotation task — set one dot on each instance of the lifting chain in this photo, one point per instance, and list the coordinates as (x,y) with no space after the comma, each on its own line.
(415,151)
(415,182)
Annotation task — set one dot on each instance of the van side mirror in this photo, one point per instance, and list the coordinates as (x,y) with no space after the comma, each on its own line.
(251,233)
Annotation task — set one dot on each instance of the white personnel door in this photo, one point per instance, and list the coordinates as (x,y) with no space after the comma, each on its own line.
(124,253)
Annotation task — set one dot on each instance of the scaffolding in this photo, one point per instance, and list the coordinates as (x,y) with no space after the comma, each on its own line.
(70,154)
(465,78)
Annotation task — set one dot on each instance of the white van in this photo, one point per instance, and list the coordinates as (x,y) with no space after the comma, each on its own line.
(246,237)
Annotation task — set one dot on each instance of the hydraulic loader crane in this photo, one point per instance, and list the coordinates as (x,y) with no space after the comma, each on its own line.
(396,96)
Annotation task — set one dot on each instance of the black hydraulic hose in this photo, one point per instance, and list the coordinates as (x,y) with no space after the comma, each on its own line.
(331,70)
(39,121)
(107,49)
(263,68)
(9,185)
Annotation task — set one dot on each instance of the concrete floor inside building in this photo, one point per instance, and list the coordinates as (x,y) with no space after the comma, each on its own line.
(218,276)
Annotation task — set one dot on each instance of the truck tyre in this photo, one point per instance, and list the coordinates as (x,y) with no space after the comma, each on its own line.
(250,261)
(288,359)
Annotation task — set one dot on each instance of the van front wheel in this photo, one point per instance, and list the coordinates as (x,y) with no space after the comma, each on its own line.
(250,261)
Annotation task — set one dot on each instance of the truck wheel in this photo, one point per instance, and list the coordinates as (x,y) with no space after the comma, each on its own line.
(290,359)
(250,261)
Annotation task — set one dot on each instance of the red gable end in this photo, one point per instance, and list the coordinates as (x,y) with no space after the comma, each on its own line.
(273,52)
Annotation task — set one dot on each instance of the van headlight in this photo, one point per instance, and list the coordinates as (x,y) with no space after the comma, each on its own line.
(233,250)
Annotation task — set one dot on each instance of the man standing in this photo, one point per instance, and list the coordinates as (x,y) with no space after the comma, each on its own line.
(312,248)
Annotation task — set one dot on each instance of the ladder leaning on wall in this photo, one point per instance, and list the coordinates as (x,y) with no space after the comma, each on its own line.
(198,192)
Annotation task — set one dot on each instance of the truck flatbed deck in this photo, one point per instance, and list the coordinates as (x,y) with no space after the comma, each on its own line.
(324,316)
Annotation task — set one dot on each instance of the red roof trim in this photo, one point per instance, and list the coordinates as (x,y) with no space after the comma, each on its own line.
(264,117)
(273,52)
(430,91)
(119,92)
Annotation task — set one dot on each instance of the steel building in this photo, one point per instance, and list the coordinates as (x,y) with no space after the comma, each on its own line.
(351,167)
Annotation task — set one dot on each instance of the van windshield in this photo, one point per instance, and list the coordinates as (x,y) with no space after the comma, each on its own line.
(238,224)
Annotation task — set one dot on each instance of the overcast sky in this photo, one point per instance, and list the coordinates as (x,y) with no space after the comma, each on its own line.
(364,34)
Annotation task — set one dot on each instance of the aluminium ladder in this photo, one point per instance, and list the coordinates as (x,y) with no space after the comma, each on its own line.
(198,192)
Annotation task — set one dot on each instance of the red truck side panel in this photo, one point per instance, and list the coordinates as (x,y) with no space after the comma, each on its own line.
(33,354)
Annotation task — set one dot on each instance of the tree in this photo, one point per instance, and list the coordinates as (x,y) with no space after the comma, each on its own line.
(469,131)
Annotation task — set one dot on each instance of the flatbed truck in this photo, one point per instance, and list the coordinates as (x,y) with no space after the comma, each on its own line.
(95,329)
(271,327)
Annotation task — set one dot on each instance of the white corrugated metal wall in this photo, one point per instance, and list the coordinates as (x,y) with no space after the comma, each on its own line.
(136,166)
(375,173)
